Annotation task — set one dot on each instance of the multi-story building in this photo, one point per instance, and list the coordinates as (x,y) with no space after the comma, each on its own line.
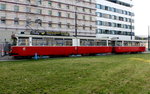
(26,16)
(115,19)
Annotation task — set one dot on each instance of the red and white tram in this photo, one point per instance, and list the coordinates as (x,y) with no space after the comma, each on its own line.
(29,45)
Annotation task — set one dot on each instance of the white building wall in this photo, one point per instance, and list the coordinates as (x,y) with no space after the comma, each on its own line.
(117,6)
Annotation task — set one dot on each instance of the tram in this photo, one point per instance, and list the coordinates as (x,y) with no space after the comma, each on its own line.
(29,45)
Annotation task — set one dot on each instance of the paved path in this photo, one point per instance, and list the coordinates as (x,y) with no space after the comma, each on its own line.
(7,58)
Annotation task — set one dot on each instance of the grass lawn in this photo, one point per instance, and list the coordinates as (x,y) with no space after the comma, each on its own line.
(113,74)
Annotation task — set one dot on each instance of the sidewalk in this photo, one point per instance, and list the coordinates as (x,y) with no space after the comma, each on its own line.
(6,58)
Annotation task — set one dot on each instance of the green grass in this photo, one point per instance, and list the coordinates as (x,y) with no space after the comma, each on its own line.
(113,74)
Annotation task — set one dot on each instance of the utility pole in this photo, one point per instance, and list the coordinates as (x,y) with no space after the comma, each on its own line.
(131,27)
(76,24)
(148,39)
(76,17)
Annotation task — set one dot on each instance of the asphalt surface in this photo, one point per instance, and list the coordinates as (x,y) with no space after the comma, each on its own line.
(7,58)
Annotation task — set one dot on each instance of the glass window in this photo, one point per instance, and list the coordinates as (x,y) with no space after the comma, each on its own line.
(2,6)
(59,24)
(28,1)
(68,7)
(59,5)
(49,12)
(68,42)
(59,14)
(3,20)
(16,8)
(28,9)
(49,3)
(39,11)
(39,2)
(23,41)
(68,25)
(16,21)
(50,23)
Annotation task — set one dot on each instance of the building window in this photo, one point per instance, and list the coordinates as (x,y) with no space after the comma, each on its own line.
(106,7)
(59,5)
(16,21)
(49,3)
(68,25)
(28,22)
(83,17)
(59,14)
(49,12)
(28,1)
(59,24)
(83,27)
(39,11)
(98,6)
(83,9)
(68,15)
(50,23)
(90,27)
(28,9)
(16,8)
(39,2)
(38,22)
(68,7)
(2,6)
(3,20)
(90,11)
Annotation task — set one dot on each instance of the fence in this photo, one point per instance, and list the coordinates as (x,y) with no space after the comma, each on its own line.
(4,48)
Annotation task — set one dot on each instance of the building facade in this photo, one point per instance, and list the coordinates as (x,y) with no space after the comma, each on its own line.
(50,16)
(115,19)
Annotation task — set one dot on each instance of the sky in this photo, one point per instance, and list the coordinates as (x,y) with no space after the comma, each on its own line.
(142,16)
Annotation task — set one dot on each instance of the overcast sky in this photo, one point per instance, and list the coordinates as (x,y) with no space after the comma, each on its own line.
(142,16)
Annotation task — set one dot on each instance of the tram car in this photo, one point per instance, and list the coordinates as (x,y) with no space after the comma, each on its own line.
(29,45)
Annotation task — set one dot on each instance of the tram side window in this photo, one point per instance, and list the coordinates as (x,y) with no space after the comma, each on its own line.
(23,41)
(129,43)
(142,44)
(68,42)
(137,43)
(109,43)
(59,42)
(83,42)
(90,42)
(38,42)
(50,41)
(118,43)
(101,43)
(126,43)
